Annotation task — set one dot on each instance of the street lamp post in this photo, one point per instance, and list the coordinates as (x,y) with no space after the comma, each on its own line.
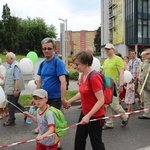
(66,42)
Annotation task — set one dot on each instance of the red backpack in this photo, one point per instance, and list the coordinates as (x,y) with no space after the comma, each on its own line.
(109,87)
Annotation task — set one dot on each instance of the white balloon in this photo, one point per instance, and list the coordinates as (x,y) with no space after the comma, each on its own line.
(26,65)
(32,85)
(96,64)
(2,95)
(127,76)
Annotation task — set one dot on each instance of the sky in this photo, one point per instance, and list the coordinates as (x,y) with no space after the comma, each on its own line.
(80,14)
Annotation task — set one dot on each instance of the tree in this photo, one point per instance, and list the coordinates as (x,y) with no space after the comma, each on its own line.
(6,13)
(97,40)
(35,30)
(10,34)
(1,36)
(21,36)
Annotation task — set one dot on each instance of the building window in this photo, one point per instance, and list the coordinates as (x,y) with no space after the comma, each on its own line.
(139,8)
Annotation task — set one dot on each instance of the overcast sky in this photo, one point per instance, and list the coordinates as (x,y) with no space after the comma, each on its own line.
(80,14)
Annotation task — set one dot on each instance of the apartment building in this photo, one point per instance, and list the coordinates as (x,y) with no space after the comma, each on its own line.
(125,23)
(82,39)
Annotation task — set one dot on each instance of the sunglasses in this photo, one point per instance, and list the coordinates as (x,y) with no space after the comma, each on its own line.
(47,48)
(147,53)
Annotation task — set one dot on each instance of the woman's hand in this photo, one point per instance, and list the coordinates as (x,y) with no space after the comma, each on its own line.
(85,120)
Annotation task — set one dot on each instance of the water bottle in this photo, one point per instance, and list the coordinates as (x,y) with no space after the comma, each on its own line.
(31,111)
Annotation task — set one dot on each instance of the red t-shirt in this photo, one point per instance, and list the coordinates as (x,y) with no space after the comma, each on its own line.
(88,98)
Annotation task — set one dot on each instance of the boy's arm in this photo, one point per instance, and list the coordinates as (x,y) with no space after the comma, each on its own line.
(39,83)
(26,113)
(50,131)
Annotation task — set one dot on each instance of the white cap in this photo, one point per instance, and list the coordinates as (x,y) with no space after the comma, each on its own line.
(109,46)
(40,93)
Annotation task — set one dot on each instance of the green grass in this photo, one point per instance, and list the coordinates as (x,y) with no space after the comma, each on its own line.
(25,100)
(18,57)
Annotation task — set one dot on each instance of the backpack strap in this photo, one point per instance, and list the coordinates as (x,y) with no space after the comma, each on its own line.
(91,74)
(56,62)
(101,75)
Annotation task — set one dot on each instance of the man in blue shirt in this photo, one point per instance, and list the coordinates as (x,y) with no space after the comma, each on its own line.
(52,73)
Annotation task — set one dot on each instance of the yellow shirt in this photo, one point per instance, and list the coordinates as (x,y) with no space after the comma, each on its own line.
(112,66)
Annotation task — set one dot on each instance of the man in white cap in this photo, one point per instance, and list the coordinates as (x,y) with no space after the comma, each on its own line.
(114,68)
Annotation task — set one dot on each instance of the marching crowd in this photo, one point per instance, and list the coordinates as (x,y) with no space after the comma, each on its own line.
(51,91)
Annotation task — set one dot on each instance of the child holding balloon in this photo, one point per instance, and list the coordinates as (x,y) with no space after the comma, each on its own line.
(130,94)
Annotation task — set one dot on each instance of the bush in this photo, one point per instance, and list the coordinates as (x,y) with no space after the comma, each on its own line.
(70,94)
(73,75)
(25,100)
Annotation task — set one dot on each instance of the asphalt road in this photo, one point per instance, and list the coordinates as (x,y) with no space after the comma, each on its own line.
(134,136)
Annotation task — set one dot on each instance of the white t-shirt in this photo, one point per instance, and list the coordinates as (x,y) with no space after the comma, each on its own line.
(43,126)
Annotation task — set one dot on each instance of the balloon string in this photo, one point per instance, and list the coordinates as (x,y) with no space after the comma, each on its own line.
(15,106)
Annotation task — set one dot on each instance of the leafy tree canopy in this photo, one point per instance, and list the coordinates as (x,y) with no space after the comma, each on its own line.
(97,40)
(23,35)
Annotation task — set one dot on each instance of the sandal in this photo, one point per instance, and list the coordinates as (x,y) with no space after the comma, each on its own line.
(36,131)
(124,123)
(105,127)
(8,123)
(140,108)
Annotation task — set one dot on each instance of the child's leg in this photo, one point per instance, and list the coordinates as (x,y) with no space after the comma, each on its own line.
(1,113)
(131,107)
(6,110)
(128,107)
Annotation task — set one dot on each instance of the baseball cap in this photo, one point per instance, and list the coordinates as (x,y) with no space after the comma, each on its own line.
(40,93)
(109,46)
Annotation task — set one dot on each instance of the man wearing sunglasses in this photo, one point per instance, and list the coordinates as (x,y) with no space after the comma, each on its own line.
(52,73)
(145,71)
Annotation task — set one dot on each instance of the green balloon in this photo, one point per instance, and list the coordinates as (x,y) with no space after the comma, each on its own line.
(32,56)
